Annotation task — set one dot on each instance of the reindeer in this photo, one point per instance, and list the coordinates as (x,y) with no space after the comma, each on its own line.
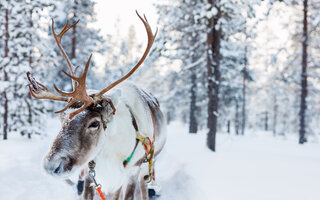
(114,135)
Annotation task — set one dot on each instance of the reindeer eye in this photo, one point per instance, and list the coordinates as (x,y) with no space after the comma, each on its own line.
(94,124)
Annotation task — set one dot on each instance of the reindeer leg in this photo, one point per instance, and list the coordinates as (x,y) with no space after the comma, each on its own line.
(129,193)
(143,188)
(88,193)
(116,195)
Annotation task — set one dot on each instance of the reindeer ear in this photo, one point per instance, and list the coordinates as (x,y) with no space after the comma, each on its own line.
(114,97)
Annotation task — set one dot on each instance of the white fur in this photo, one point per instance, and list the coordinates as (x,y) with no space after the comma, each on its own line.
(115,143)
(120,138)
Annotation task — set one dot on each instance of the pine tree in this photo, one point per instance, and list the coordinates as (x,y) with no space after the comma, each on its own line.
(185,42)
(23,53)
(282,76)
(227,61)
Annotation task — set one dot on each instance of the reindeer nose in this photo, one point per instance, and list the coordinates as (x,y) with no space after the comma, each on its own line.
(58,169)
(57,166)
(53,166)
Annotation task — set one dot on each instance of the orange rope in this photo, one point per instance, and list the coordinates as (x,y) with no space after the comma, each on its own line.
(100,193)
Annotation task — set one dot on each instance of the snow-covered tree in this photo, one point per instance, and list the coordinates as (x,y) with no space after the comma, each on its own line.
(184,31)
(24,48)
(279,92)
(305,53)
(228,50)
(185,24)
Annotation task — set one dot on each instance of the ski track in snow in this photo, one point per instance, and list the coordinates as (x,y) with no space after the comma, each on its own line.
(254,167)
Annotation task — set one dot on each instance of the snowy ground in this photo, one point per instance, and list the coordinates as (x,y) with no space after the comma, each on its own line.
(254,167)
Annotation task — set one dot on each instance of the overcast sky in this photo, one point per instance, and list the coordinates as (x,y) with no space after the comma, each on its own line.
(109,10)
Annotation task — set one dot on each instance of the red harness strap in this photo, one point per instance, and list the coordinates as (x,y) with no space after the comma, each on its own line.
(146,141)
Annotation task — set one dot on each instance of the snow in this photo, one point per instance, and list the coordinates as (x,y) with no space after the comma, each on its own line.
(255,166)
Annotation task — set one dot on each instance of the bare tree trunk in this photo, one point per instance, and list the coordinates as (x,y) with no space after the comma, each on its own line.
(244,93)
(213,77)
(6,48)
(266,121)
(304,84)
(193,125)
(74,42)
(275,115)
(236,120)
(5,98)
(29,115)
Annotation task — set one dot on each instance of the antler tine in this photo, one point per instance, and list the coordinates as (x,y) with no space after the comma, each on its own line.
(68,94)
(48,94)
(85,72)
(70,76)
(151,38)
(38,92)
(83,75)
(58,39)
(83,107)
(145,18)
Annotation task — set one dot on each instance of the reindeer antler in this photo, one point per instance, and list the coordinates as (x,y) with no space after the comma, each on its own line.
(79,92)
(58,39)
(151,38)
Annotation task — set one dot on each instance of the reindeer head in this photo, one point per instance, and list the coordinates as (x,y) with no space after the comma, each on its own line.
(80,139)
(85,117)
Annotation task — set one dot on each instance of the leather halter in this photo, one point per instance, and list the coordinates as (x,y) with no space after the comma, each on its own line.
(146,142)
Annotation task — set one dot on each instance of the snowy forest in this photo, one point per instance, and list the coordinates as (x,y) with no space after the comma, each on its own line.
(237,81)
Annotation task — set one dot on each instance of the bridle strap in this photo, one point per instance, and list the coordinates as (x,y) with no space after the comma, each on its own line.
(135,125)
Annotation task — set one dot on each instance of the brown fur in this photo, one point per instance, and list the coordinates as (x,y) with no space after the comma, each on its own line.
(154,107)
(129,193)
(88,193)
(143,188)
(76,136)
(116,195)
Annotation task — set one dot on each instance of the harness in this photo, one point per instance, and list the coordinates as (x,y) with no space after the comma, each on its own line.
(148,145)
